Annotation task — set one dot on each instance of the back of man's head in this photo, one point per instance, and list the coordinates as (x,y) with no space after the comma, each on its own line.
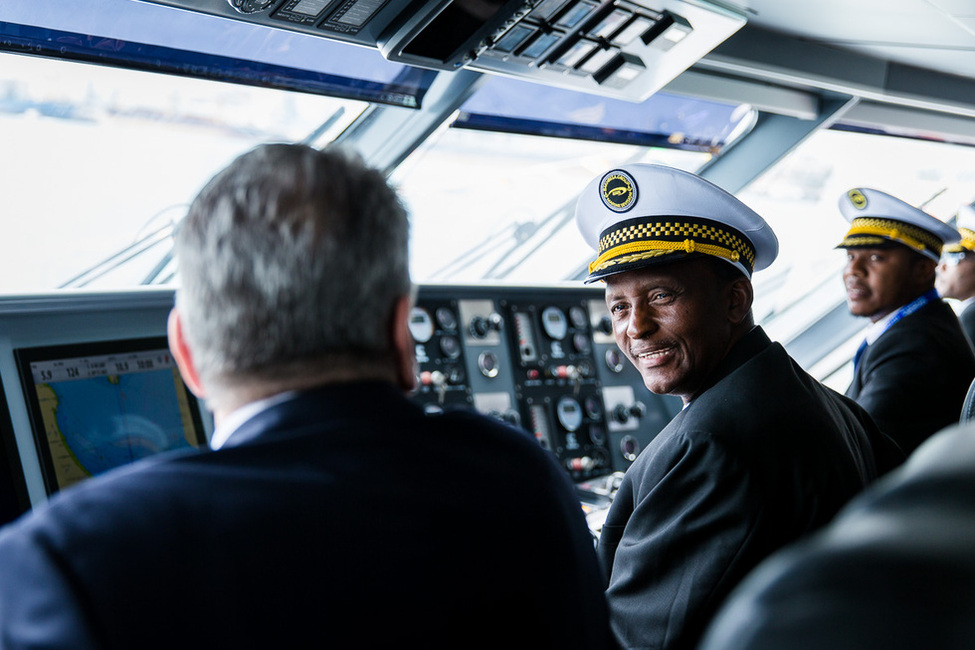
(291,261)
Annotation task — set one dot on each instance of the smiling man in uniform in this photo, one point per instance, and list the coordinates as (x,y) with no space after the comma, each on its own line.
(761,453)
(914,366)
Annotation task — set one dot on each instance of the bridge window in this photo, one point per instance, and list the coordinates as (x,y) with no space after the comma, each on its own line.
(100,162)
(493,196)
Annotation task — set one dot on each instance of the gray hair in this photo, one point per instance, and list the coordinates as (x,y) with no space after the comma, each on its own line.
(290,258)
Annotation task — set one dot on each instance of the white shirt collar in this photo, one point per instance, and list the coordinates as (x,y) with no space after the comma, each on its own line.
(878,328)
(237,418)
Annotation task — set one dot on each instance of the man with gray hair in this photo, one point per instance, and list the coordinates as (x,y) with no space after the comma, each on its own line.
(330,511)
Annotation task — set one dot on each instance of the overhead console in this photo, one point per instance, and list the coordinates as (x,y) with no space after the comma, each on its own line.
(626,49)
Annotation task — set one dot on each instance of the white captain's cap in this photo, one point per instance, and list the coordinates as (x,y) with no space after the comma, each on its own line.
(965,222)
(877,219)
(643,214)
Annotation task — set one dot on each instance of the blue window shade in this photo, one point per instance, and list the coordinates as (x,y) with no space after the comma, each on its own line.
(663,120)
(385,83)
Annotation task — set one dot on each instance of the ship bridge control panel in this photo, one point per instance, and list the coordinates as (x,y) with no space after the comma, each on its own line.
(542,359)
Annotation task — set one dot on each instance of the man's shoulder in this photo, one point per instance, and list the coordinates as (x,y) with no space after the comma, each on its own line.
(936,313)
(765,374)
(933,329)
(79,520)
(769,392)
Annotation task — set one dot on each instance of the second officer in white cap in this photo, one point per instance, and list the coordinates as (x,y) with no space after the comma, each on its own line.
(760,455)
(956,272)
(915,365)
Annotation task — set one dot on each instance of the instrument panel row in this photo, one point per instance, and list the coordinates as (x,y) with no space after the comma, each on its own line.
(541,359)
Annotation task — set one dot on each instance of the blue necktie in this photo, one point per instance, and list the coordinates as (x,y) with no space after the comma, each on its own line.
(928,296)
(859,353)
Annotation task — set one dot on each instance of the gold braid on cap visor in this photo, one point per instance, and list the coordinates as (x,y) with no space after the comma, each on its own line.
(865,231)
(632,241)
(967,242)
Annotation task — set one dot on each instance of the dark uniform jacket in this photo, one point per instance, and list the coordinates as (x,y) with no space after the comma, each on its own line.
(895,570)
(763,456)
(346,518)
(913,379)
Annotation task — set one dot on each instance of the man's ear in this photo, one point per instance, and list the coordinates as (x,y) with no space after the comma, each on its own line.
(741,297)
(404,348)
(181,353)
(924,270)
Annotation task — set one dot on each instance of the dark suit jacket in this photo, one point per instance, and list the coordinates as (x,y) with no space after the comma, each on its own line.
(345,518)
(913,379)
(895,570)
(763,456)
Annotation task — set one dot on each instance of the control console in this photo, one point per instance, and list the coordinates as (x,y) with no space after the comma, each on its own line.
(541,359)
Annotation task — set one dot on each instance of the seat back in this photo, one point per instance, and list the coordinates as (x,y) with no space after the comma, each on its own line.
(968,408)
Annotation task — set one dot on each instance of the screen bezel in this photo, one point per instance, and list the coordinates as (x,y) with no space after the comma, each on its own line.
(14,498)
(27,355)
(399,43)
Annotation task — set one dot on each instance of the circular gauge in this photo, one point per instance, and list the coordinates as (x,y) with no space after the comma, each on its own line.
(421,325)
(630,448)
(580,341)
(594,409)
(584,369)
(597,435)
(614,360)
(569,413)
(446,318)
(554,323)
(450,346)
(487,363)
(455,375)
(577,315)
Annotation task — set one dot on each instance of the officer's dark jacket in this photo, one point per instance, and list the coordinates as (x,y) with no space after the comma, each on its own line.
(913,379)
(763,456)
(343,518)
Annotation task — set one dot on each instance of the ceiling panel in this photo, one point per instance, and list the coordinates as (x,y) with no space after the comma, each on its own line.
(936,34)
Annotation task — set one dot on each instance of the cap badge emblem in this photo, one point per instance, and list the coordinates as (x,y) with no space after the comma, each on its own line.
(857,198)
(618,191)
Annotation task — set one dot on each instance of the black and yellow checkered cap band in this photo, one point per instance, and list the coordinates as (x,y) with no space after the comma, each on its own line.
(872,231)
(645,238)
(967,242)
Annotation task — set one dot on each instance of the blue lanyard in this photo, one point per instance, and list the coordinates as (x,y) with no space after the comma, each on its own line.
(906,310)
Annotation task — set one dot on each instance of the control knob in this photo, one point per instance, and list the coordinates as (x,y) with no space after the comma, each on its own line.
(581,464)
(481,326)
(622,413)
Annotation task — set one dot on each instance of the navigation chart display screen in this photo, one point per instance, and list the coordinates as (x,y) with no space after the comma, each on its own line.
(96,406)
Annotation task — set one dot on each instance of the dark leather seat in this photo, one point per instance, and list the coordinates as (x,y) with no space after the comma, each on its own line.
(968,407)
(894,570)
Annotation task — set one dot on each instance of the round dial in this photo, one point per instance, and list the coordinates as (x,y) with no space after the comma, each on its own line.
(446,318)
(421,325)
(569,413)
(554,323)
(578,317)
